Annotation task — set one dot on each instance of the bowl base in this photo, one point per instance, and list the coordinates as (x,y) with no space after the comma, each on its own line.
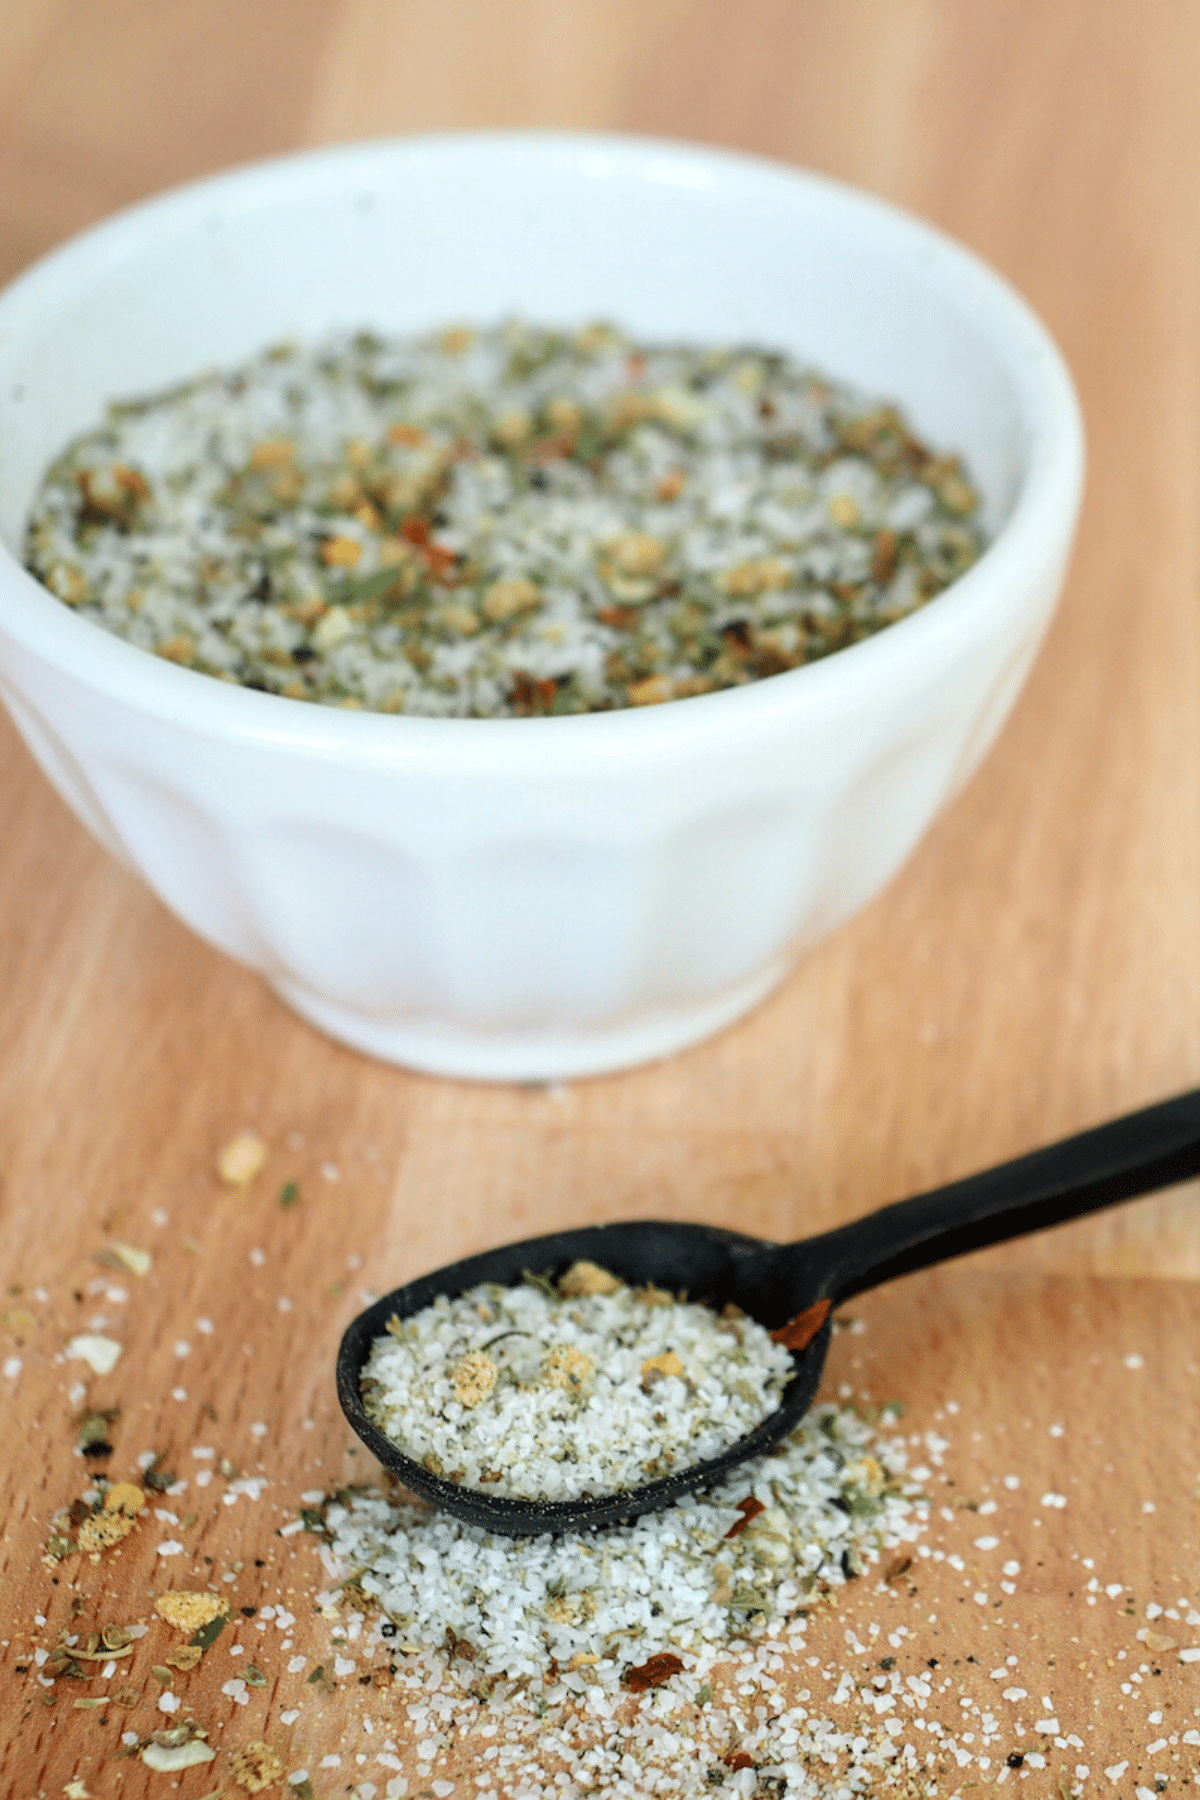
(538,1053)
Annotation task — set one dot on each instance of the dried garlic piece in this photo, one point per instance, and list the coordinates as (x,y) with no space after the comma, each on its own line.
(168,1757)
(101,1354)
(241,1159)
(189,1611)
(473,1377)
(588,1278)
(255,1767)
(657,1368)
(568,1368)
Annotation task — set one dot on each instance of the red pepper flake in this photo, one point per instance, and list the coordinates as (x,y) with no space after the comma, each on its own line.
(738,1759)
(799,1332)
(552,448)
(438,558)
(653,1672)
(528,694)
(750,1509)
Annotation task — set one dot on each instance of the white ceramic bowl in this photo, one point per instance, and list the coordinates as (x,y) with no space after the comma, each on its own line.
(543,897)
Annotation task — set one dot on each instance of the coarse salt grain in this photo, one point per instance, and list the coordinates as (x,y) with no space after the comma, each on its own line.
(249,1485)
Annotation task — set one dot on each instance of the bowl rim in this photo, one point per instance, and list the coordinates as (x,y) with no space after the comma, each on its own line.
(1042,517)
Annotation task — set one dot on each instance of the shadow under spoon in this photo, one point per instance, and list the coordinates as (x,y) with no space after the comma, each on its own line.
(775,1284)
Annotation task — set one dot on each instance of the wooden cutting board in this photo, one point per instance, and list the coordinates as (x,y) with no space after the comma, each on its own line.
(1033,970)
(1065,1440)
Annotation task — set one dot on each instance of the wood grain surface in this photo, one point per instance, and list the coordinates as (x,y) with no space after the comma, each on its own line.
(1034,969)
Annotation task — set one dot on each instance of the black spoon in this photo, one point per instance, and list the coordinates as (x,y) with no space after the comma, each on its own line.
(775,1283)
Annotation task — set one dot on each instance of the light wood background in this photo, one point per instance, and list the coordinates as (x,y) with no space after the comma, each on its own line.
(1035,968)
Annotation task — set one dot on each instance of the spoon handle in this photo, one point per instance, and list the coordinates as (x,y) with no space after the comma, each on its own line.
(1136,1154)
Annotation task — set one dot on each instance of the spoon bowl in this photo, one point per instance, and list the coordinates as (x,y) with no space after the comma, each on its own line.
(704,1261)
(776,1284)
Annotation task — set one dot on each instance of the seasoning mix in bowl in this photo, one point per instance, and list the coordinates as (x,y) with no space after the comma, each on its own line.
(502,523)
(426,528)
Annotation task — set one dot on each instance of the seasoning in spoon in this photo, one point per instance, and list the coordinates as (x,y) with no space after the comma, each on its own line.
(502,522)
(557,1392)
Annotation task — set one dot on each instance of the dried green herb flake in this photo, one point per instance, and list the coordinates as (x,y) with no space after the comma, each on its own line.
(208,1634)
